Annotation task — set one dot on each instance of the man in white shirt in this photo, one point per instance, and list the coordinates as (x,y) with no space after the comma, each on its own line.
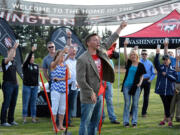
(72,83)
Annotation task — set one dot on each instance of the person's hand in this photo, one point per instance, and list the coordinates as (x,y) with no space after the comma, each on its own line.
(11,54)
(66,49)
(93,97)
(166,44)
(16,45)
(125,43)
(123,24)
(157,50)
(33,48)
(69,34)
(177,53)
(56,79)
(139,85)
(177,92)
(164,73)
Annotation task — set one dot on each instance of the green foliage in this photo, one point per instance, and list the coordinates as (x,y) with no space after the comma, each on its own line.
(38,61)
(122,60)
(1,57)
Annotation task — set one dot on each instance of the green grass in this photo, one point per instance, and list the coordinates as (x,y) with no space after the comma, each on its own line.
(146,126)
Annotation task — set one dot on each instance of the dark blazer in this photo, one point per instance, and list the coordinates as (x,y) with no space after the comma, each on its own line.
(87,73)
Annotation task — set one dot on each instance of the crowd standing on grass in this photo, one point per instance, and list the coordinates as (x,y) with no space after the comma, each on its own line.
(93,74)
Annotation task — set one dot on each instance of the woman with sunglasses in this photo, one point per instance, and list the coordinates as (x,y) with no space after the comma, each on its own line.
(165,84)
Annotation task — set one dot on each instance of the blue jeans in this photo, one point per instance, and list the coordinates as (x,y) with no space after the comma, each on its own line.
(90,116)
(72,100)
(29,96)
(109,102)
(127,101)
(10,94)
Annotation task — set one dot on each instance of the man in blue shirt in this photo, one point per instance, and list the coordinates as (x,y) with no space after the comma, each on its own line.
(148,77)
(175,103)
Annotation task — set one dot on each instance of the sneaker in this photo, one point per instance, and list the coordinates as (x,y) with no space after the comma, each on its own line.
(126,125)
(170,124)
(162,123)
(134,125)
(6,124)
(115,122)
(14,123)
(34,121)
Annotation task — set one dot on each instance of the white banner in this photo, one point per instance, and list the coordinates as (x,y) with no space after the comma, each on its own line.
(33,13)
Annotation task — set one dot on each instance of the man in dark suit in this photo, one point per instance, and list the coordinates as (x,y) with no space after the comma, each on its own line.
(94,67)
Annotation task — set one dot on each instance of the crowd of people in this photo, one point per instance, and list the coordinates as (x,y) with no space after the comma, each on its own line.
(92,74)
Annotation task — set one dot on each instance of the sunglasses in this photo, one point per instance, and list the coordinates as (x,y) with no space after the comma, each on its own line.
(144,54)
(51,47)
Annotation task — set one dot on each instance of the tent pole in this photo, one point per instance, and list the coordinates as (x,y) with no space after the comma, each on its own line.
(119,78)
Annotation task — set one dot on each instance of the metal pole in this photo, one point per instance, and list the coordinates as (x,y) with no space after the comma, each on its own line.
(119,77)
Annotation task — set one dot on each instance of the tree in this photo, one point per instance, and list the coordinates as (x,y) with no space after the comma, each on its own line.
(32,34)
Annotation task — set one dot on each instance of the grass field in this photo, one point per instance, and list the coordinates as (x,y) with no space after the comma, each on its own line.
(146,126)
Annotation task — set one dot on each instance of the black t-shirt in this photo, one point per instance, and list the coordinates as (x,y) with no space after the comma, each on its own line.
(9,71)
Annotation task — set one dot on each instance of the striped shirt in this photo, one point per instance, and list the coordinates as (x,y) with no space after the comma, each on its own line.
(59,72)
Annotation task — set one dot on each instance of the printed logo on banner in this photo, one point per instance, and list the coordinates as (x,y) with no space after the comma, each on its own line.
(169,25)
(8,42)
(62,39)
(59,37)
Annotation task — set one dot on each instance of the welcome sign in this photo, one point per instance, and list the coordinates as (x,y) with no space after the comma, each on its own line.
(33,13)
